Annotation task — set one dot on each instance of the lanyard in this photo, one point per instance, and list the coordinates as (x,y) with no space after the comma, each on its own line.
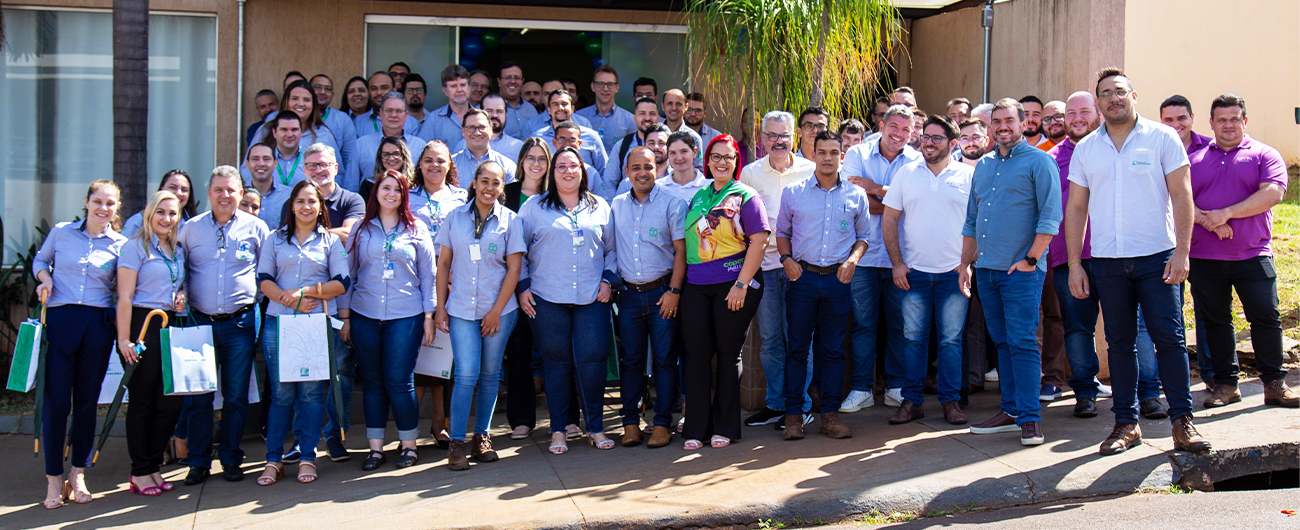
(284,179)
(172,272)
(388,241)
(480,223)
(374,122)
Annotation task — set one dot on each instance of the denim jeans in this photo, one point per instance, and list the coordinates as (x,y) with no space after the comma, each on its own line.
(869,286)
(235,342)
(818,307)
(574,342)
(1080,319)
(297,405)
(640,327)
(477,362)
(773,329)
(1255,282)
(1011,308)
(386,352)
(347,368)
(1124,285)
(933,300)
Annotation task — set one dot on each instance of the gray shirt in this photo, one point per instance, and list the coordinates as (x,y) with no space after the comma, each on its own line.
(291,265)
(433,209)
(645,232)
(822,224)
(477,283)
(569,253)
(158,277)
(223,261)
(403,254)
(82,268)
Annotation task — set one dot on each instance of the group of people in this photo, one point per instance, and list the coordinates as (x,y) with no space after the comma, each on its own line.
(922,237)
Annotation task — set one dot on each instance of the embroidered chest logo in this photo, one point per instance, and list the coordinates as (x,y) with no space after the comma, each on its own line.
(492,248)
(654,231)
(844,224)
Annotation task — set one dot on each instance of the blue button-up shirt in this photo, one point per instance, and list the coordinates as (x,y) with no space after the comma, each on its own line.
(441,124)
(611,127)
(288,170)
(645,231)
(368,123)
(823,224)
(559,270)
(82,268)
(409,252)
(593,151)
(612,175)
(368,148)
(467,164)
(508,146)
(433,209)
(477,284)
(865,160)
(516,118)
(291,265)
(707,134)
(222,261)
(543,118)
(1012,198)
(273,204)
(346,132)
(158,277)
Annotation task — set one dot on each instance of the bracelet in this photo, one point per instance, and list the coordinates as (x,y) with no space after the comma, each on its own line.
(1074,261)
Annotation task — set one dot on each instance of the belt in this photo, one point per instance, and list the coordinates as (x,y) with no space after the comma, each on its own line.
(227,316)
(829,269)
(648,286)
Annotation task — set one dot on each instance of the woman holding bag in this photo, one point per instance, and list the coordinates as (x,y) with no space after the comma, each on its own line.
(482,247)
(76,267)
(301,265)
(389,313)
(150,275)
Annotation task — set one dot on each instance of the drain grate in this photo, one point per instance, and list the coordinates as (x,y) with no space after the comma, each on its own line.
(1271,466)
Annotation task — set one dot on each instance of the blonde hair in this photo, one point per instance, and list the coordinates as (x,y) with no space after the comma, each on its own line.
(116,221)
(145,236)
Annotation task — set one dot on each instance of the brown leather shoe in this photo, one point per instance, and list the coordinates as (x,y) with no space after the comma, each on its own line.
(793,427)
(481,449)
(833,427)
(456,459)
(1223,395)
(1031,433)
(952,412)
(660,437)
(1123,437)
(907,412)
(1277,394)
(631,436)
(1185,436)
(1003,422)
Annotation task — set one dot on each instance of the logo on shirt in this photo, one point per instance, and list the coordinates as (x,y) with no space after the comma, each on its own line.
(654,232)
(492,248)
(1141,163)
(844,225)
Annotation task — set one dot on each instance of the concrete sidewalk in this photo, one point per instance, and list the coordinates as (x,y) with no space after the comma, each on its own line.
(922,466)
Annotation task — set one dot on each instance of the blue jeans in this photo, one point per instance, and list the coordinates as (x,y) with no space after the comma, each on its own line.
(639,326)
(574,343)
(235,341)
(298,405)
(870,285)
(1011,308)
(818,306)
(386,352)
(1080,320)
(477,362)
(775,335)
(933,299)
(347,368)
(1124,285)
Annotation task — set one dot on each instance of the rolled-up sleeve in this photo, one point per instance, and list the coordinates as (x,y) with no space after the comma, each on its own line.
(1047,187)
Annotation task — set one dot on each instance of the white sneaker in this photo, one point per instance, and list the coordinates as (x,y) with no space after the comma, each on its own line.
(1102,390)
(893,397)
(992,376)
(857,400)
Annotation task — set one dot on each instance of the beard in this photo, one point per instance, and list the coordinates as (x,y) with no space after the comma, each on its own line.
(693,122)
(972,153)
(415,106)
(1032,130)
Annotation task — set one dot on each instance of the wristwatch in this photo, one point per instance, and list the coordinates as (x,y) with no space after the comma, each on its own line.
(740,284)
(1032,261)
(784,257)
(674,290)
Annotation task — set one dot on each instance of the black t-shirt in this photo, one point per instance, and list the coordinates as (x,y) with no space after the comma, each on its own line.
(341,205)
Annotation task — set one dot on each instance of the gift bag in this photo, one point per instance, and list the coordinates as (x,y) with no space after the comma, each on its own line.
(435,360)
(304,353)
(254,389)
(112,379)
(27,355)
(189,360)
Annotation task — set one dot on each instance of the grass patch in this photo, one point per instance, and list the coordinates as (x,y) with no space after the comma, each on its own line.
(1172,489)
(875,518)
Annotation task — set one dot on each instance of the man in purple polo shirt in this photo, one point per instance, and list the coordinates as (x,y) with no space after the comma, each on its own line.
(1236,181)
(1176,112)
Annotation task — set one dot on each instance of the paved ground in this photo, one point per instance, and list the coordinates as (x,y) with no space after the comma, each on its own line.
(920,467)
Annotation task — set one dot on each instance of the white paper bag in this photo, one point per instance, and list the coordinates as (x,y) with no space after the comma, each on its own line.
(112,379)
(189,361)
(304,353)
(254,391)
(435,360)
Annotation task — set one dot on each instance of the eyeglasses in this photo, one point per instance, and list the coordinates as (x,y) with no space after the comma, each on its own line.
(814,126)
(656,144)
(478,85)
(391,155)
(565,141)
(1118,93)
(568,167)
(323,88)
(512,78)
(414,90)
(319,166)
(474,129)
(694,111)
(935,139)
(533,160)
(392,112)
(718,159)
(603,85)
(968,139)
(221,237)
(1054,117)
(772,137)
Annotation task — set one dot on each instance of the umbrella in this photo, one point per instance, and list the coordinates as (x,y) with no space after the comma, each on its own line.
(127,370)
(336,387)
(40,381)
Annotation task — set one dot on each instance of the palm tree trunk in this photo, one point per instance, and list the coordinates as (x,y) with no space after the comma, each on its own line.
(816,99)
(131,100)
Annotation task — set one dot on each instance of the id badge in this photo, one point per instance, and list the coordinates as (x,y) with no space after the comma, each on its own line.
(474,253)
(578,239)
(245,252)
(388,271)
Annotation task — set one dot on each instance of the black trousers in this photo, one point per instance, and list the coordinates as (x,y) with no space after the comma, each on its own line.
(151,416)
(521,397)
(74,370)
(1255,281)
(712,331)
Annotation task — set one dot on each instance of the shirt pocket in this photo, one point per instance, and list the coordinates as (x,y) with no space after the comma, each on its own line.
(1143,162)
(493,243)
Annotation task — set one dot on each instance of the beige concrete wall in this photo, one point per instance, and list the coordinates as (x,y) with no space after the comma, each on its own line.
(1203,48)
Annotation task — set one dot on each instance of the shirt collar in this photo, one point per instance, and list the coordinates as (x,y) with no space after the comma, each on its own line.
(767,164)
(654,194)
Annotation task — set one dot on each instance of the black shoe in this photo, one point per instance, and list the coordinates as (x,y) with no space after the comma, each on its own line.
(293,456)
(197,476)
(1085,407)
(336,450)
(232,473)
(373,461)
(408,458)
(764,417)
(807,418)
(1153,409)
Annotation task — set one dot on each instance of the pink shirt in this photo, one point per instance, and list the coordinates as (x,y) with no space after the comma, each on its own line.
(1221,179)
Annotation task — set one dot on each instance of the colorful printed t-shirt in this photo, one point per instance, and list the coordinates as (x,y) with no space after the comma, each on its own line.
(718,226)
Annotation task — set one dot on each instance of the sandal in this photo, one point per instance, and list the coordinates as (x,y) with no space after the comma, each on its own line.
(273,472)
(718,442)
(408,457)
(151,491)
(572,432)
(520,432)
(58,502)
(692,445)
(560,446)
(605,444)
(306,472)
(373,460)
(71,493)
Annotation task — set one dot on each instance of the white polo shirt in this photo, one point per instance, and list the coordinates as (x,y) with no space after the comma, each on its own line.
(769,183)
(934,210)
(1128,203)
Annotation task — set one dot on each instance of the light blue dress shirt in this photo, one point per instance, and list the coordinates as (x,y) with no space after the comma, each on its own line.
(82,268)
(292,265)
(476,284)
(1012,198)
(367,148)
(368,123)
(543,119)
(441,124)
(516,118)
(645,231)
(158,277)
(406,252)
(593,151)
(823,224)
(508,146)
(433,209)
(467,163)
(222,261)
(611,127)
(865,160)
(569,253)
